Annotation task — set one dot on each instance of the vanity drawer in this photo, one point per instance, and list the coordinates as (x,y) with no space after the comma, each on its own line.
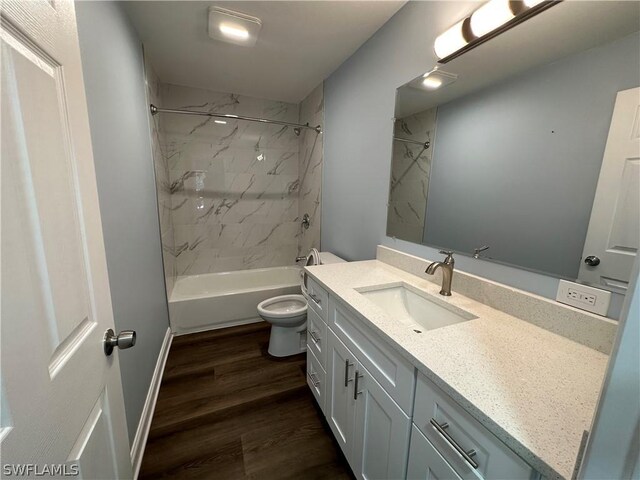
(316,378)
(394,373)
(493,458)
(317,336)
(317,297)
(425,462)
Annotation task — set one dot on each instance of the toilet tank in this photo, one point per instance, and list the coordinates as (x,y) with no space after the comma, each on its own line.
(328,257)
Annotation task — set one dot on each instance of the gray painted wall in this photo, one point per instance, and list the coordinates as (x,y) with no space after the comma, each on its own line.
(359,107)
(613,449)
(524,177)
(114,81)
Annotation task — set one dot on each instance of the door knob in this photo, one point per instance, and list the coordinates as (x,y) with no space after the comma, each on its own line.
(592,261)
(125,339)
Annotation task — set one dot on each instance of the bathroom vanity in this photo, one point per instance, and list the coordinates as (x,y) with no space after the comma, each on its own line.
(417,385)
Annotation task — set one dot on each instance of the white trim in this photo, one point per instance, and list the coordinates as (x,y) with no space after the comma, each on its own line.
(140,440)
(206,328)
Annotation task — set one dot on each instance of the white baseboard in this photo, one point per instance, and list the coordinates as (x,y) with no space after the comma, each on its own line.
(140,440)
(236,323)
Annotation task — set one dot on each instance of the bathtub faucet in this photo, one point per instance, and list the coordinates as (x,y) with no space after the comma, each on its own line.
(299,259)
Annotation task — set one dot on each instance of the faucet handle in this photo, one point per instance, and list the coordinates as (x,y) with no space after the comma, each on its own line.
(449,260)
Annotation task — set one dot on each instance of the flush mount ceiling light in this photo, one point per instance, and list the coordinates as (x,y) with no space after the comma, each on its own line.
(433,80)
(233,27)
(491,19)
(437,78)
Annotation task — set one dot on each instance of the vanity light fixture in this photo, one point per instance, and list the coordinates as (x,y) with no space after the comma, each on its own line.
(233,27)
(491,19)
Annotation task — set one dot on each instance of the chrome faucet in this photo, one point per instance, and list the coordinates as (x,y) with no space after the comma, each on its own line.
(447,272)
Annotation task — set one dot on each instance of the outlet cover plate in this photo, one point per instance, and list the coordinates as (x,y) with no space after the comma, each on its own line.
(584,297)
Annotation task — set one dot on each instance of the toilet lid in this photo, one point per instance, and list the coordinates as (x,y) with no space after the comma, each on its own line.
(313,258)
(283,306)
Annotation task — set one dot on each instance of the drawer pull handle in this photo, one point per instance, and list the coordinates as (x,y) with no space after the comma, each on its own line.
(355,386)
(347,364)
(314,336)
(314,298)
(442,430)
(314,379)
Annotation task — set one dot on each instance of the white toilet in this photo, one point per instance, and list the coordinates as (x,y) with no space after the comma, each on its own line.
(287,314)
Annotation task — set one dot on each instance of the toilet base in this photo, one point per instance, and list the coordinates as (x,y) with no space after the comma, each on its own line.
(286,341)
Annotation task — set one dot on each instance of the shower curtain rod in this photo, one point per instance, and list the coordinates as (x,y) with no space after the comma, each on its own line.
(296,126)
(425,145)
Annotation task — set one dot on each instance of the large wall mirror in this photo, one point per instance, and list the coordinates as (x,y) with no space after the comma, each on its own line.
(528,145)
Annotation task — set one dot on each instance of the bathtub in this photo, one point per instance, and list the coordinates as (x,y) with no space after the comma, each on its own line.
(217,300)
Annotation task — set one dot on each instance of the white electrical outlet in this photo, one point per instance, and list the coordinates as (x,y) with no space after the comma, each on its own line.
(584,297)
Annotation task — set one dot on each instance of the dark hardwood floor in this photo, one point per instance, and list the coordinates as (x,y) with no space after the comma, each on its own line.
(228,410)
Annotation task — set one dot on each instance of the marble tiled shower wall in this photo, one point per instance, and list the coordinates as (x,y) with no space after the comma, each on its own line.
(310,170)
(410,171)
(162,181)
(234,187)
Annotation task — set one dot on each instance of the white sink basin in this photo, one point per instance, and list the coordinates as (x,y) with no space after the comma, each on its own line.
(414,308)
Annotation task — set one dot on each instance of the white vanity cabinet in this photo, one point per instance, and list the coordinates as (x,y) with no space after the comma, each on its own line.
(425,462)
(390,421)
(469,448)
(370,427)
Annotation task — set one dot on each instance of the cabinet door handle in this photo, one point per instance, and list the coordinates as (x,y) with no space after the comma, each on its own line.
(442,430)
(347,364)
(355,386)
(314,298)
(314,379)
(314,336)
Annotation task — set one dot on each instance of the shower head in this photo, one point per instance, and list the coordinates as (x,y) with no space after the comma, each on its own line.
(296,130)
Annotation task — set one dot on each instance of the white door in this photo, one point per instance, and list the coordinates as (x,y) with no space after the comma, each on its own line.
(381,436)
(62,398)
(613,236)
(425,462)
(339,402)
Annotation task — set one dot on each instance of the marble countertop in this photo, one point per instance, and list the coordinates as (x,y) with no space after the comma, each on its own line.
(535,390)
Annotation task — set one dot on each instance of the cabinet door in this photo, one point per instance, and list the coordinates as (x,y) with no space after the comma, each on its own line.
(381,436)
(425,463)
(339,402)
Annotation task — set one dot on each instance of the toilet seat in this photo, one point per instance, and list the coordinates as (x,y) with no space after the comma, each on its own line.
(283,306)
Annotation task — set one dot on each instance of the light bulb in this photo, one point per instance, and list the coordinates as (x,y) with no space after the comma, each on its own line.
(450,41)
(490,16)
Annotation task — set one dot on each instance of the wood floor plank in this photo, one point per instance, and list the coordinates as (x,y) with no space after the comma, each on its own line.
(170,451)
(228,410)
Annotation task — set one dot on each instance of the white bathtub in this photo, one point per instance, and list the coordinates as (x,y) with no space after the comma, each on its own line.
(217,300)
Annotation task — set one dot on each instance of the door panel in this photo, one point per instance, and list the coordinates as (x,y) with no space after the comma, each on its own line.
(93,451)
(381,438)
(614,229)
(62,397)
(339,402)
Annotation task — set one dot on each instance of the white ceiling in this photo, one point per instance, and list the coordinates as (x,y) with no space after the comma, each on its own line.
(301,43)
